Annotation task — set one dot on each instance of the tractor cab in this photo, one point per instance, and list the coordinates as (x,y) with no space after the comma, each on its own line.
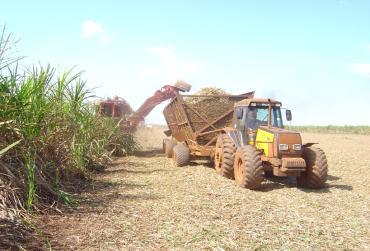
(250,114)
(259,119)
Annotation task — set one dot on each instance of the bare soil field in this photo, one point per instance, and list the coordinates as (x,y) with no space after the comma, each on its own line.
(143,202)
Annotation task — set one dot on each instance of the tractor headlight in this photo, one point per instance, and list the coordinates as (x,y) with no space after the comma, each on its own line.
(297,147)
(283,147)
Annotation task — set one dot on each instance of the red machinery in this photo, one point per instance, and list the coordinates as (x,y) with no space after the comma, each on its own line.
(115,108)
(165,93)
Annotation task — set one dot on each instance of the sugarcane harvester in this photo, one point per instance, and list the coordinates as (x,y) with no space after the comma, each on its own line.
(244,137)
(118,108)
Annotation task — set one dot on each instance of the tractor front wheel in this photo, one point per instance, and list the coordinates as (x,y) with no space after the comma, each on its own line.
(248,169)
(224,156)
(316,168)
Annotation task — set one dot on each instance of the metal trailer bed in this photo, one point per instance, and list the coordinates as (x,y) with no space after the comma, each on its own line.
(197,120)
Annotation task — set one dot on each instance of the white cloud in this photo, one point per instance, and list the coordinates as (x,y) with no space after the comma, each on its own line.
(105,39)
(92,29)
(170,64)
(360,69)
(367,47)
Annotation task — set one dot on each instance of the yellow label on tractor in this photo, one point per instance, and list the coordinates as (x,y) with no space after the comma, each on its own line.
(263,139)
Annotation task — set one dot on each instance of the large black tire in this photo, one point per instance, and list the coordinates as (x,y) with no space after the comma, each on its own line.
(224,156)
(169,145)
(248,169)
(269,174)
(181,155)
(316,168)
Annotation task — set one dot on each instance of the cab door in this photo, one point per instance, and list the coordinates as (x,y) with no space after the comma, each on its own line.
(239,135)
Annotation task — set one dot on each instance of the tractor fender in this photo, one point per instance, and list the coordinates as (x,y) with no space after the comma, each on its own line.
(238,138)
(308,144)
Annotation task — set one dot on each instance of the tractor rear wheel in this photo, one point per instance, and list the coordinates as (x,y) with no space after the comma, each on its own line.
(224,156)
(248,169)
(316,168)
(181,155)
(169,145)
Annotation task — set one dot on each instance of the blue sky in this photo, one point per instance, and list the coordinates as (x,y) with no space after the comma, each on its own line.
(314,56)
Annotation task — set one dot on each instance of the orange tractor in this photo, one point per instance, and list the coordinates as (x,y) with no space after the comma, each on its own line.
(244,136)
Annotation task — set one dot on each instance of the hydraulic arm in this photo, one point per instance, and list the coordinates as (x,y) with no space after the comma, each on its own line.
(165,93)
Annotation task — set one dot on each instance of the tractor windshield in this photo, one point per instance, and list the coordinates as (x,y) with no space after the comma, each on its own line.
(253,117)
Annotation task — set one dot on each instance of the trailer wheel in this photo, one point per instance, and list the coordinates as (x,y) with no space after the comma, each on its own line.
(316,168)
(164,145)
(169,145)
(248,169)
(181,155)
(224,156)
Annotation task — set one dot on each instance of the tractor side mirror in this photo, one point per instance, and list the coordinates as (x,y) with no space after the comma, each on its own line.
(288,114)
(239,113)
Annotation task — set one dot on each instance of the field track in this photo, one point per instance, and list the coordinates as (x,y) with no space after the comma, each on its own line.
(143,202)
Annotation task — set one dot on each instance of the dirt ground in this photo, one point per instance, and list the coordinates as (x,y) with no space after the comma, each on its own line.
(143,202)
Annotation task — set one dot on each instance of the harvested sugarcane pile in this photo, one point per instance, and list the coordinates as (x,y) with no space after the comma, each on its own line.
(210,104)
(206,91)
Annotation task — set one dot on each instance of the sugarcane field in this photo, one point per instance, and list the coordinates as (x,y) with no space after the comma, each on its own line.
(185,126)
